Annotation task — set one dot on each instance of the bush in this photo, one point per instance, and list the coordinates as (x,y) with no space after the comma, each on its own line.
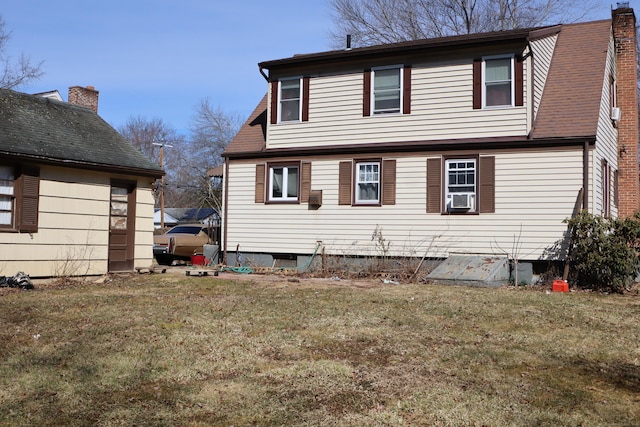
(604,252)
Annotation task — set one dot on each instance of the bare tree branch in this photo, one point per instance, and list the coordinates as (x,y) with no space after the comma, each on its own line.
(385,21)
(15,74)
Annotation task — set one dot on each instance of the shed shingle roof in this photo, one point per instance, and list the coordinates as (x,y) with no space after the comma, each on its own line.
(45,130)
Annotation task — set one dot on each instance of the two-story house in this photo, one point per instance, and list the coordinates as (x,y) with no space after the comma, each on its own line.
(480,144)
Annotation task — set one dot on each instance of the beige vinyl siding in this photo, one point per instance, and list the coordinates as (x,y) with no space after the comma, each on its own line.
(542,53)
(441,108)
(73,228)
(606,140)
(535,192)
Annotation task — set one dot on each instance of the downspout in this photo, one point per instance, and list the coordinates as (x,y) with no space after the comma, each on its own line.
(226,210)
(585,175)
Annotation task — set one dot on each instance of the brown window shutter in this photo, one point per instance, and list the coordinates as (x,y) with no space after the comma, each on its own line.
(260,179)
(344,183)
(274,102)
(519,88)
(434,185)
(366,95)
(305,99)
(616,195)
(388,182)
(487,184)
(28,198)
(477,84)
(406,96)
(305,182)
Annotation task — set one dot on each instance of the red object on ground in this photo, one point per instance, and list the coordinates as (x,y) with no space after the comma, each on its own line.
(197,259)
(560,286)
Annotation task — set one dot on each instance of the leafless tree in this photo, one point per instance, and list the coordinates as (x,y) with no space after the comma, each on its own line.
(211,131)
(14,74)
(148,136)
(386,21)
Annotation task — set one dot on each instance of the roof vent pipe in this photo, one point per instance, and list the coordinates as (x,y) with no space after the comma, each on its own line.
(348,41)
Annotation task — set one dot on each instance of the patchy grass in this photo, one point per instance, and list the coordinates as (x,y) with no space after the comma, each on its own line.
(194,351)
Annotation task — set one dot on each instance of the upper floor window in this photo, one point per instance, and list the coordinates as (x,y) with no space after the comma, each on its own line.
(387,90)
(498,81)
(7,197)
(290,95)
(283,183)
(461,184)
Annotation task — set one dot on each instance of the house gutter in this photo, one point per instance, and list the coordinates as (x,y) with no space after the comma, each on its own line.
(263,73)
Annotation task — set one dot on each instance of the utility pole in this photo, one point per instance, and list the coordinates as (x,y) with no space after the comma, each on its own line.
(162,145)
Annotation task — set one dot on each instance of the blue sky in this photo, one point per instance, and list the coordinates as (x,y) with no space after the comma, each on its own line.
(159,58)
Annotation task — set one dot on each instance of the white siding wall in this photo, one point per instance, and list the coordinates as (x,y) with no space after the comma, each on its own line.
(73,227)
(535,192)
(606,141)
(542,53)
(441,108)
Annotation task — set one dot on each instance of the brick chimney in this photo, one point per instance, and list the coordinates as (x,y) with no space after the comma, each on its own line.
(85,96)
(624,33)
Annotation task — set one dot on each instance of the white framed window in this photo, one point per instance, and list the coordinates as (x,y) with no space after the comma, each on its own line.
(367,182)
(498,81)
(386,90)
(284,183)
(461,184)
(7,196)
(290,97)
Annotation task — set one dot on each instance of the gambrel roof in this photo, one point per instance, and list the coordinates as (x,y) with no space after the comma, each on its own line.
(44,130)
(569,105)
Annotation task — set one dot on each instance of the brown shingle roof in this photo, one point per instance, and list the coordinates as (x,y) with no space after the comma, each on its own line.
(570,102)
(252,135)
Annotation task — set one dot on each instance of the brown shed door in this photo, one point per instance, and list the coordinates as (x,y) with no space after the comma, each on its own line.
(121,228)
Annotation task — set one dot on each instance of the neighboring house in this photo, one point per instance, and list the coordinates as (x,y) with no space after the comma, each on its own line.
(479,144)
(75,196)
(175,216)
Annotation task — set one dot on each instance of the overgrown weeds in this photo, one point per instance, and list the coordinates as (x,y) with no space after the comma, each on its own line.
(169,350)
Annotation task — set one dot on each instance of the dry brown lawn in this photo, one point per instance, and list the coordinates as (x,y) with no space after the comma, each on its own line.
(171,350)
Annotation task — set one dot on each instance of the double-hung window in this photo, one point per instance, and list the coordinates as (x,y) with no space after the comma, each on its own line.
(387,90)
(284,183)
(7,197)
(498,81)
(367,183)
(461,184)
(290,96)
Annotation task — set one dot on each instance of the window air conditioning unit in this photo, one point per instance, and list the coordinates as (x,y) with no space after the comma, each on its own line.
(461,201)
(615,113)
